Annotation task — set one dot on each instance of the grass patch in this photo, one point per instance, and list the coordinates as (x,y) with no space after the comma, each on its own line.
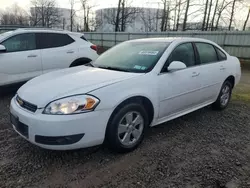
(241,93)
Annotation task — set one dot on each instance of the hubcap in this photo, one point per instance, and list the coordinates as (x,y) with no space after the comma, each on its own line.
(225,95)
(130,128)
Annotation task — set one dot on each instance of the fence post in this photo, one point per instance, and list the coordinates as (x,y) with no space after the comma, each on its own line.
(224,40)
(91,37)
(115,38)
(102,39)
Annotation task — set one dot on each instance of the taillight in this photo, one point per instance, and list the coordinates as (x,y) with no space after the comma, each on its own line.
(93,47)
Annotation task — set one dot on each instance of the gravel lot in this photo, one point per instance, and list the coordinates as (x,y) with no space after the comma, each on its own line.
(203,149)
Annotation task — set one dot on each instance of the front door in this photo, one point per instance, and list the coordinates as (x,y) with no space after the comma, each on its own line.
(21,61)
(179,90)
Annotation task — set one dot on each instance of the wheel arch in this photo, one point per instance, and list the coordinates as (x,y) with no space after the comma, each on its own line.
(145,101)
(80,61)
(231,79)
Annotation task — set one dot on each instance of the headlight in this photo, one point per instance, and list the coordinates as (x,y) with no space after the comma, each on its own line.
(72,105)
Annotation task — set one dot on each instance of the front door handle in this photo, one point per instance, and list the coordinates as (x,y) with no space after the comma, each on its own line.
(70,52)
(32,55)
(194,74)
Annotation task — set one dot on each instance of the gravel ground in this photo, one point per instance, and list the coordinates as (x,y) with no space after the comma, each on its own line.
(203,149)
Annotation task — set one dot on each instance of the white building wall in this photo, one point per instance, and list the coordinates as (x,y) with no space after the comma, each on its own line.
(64,15)
(145,20)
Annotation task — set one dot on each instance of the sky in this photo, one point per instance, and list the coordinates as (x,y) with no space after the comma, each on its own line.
(65,3)
(240,15)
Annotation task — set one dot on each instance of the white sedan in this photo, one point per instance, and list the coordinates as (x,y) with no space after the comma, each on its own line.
(135,85)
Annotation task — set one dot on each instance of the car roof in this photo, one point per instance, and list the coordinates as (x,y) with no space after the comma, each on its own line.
(172,39)
(46,30)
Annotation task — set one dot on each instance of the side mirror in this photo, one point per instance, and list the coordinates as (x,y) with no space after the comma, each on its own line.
(2,48)
(176,65)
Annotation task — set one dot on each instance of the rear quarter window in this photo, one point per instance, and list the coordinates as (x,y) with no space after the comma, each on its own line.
(221,55)
(83,38)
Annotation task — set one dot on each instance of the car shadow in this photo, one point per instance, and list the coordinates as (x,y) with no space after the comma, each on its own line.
(10,90)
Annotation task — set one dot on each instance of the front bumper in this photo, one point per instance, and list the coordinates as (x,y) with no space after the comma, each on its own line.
(62,132)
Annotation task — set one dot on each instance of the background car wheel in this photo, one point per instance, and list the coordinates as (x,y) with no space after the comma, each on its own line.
(79,62)
(224,96)
(126,129)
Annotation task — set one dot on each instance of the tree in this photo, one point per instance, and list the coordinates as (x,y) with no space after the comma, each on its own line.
(221,8)
(178,15)
(121,16)
(148,19)
(214,14)
(87,8)
(209,12)
(44,13)
(186,15)
(118,16)
(232,15)
(14,15)
(72,14)
(245,23)
(164,12)
(204,17)
(127,16)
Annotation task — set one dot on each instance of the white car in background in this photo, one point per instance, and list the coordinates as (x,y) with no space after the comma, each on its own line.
(134,85)
(27,53)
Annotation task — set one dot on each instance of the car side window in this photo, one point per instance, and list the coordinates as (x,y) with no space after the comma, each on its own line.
(53,40)
(206,52)
(221,55)
(21,42)
(184,53)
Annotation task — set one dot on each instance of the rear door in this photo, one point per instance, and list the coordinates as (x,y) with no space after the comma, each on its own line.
(57,49)
(212,70)
(21,61)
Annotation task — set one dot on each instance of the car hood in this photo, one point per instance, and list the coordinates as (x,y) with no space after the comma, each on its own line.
(78,80)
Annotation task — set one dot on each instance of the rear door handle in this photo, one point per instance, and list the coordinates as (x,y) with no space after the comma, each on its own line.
(32,55)
(194,74)
(70,52)
(222,68)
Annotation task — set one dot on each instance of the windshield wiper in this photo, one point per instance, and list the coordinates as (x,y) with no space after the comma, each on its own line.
(113,68)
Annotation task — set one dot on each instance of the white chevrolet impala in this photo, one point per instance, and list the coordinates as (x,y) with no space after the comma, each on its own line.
(135,85)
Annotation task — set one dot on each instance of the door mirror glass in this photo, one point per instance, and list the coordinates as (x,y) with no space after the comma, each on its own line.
(2,48)
(176,65)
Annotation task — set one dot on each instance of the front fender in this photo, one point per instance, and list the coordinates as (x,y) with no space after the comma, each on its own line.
(113,95)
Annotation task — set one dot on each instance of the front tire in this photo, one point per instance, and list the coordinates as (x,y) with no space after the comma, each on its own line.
(224,96)
(125,130)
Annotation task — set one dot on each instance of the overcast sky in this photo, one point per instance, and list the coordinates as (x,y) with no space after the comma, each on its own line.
(240,14)
(63,3)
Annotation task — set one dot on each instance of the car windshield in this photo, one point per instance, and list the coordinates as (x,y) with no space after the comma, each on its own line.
(132,56)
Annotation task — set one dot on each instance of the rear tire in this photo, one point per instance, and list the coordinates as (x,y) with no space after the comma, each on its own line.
(125,130)
(224,96)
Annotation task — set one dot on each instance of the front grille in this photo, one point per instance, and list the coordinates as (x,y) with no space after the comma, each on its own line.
(26,105)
